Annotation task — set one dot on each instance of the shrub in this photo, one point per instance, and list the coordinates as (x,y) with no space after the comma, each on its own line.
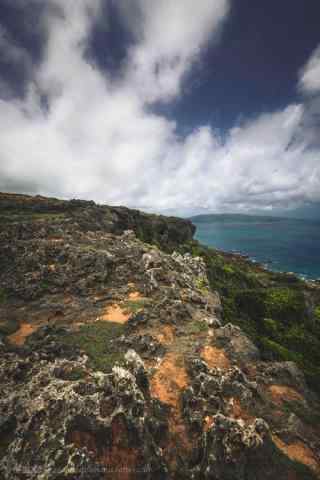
(270,326)
(286,305)
(317,313)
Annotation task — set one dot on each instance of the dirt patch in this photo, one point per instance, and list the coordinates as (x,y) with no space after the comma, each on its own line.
(115,314)
(167,385)
(166,335)
(19,337)
(215,358)
(169,380)
(120,460)
(281,393)
(135,296)
(298,452)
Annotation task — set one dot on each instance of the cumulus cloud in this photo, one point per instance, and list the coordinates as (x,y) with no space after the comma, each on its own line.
(310,74)
(170,36)
(96,136)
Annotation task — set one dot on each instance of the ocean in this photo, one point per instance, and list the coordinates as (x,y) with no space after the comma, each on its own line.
(285,245)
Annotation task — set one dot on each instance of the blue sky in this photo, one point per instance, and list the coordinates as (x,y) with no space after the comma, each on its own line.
(167,105)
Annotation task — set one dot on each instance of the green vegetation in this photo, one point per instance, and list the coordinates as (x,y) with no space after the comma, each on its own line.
(196,327)
(201,285)
(96,341)
(77,373)
(9,326)
(44,285)
(13,216)
(133,306)
(3,296)
(285,304)
(272,308)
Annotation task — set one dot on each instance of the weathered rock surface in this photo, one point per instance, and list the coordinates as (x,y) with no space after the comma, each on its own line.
(115,361)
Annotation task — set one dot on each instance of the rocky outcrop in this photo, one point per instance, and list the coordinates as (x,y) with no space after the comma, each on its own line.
(116,361)
(166,232)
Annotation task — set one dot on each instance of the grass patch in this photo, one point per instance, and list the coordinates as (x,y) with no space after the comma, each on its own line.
(197,327)
(9,326)
(134,306)
(96,341)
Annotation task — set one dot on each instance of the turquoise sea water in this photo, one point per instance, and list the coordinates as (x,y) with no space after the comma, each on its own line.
(285,245)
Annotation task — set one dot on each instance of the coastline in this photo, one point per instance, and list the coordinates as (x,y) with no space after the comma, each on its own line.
(264,267)
(287,246)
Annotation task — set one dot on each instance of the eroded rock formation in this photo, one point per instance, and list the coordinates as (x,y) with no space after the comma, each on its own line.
(116,361)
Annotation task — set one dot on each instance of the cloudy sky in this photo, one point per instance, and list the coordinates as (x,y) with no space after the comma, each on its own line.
(166,105)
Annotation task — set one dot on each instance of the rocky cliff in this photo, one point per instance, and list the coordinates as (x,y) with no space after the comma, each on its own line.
(125,353)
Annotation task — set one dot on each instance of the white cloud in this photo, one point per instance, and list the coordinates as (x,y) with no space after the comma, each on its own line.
(310,74)
(99,139)
(171,34)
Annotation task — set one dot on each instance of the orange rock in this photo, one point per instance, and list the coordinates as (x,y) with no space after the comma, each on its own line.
(115,314)
(215,357)
(299,452)
(169,380)
(19,337)
(281,393)
(166,335)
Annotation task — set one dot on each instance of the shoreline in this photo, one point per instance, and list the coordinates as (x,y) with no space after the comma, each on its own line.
(263,266)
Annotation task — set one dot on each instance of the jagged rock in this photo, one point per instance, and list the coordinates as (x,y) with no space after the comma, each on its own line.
(110,349)
(228,443)
(236,344)
(146,345)
(213,322)
(53,424)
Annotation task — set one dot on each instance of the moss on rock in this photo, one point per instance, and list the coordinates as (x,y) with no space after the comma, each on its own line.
(96,340)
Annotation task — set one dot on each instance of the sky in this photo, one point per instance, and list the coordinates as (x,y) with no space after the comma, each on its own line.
(164,105)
